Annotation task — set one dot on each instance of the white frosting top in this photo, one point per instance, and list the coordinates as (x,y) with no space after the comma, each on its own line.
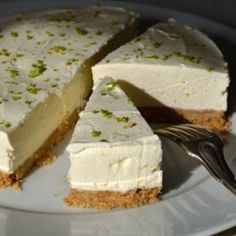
(171,43)
(171,65)
(109,117)
(40,53)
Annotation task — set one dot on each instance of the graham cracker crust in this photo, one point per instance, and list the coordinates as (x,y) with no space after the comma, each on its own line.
(42,156)
(215,120)
(106,200)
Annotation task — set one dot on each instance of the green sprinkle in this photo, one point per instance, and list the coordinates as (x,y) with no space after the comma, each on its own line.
(111,86)
(154,57)
(17,19)
(81,31)
(49,34)
(14,34)
(29,37)
(62,34)
(95,111)
(154,170)
(95,133)
(157,45)
(106,114)
(71,61)
(96,14)
(13,73)
(18,55)
(166,57)
(59,49)
(185,56)
(38,68)
(130,125)
(199,60)
(28,102)
(54,85)
(32,89)
(4,52)
(210,69)
(15,98)
(129,101)
(137,40)
(177,54)
(104,140)
(189,58)
(55,19)
(103,93)
(123,119)
(7,125)
(99,32)
(1,36)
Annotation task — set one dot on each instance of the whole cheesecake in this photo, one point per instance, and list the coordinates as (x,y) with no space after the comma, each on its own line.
(45,62)
(173,73)
(115,157)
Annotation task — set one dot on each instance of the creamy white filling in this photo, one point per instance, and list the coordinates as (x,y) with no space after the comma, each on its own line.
(177,87)
(19,145)
(116,167)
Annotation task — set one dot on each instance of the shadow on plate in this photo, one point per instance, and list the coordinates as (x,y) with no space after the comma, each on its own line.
(177,166)
(227,48)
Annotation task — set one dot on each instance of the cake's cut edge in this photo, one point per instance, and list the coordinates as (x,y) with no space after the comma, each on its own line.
(106,200)
(42,156)
(218,121)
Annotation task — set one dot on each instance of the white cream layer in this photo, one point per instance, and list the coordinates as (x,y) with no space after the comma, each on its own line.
(44,61)
(172,65)
(112,147)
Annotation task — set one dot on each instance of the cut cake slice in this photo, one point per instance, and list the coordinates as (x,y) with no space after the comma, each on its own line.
(115,157)
(172,73)
(45,62)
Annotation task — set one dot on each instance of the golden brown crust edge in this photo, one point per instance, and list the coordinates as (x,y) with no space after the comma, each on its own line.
(41,157)
(215,120)
(106,200)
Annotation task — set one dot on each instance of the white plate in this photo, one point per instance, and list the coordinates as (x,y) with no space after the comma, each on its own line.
(192,202)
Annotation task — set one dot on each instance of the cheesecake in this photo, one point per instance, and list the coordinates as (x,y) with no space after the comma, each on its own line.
(173,73)
(114,155)
(45,61)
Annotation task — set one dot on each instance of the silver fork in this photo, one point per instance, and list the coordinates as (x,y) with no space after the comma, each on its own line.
(206,146)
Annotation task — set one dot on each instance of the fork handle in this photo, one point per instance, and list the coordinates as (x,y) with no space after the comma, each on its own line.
(209,153)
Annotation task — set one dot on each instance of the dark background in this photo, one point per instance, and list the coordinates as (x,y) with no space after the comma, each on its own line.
(223,11)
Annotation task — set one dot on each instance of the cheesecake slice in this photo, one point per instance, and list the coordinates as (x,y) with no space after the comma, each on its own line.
(115,157)
(173,73)
(45,62)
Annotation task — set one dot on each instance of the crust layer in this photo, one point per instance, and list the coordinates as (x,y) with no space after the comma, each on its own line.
(41,156)
(216,120)
(106,200)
